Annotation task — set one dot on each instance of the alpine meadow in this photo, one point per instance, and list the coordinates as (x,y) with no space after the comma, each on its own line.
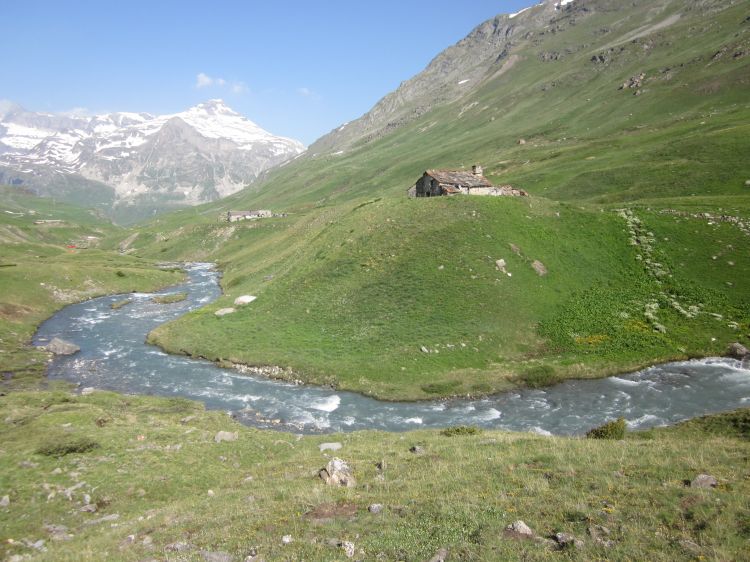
(610,233)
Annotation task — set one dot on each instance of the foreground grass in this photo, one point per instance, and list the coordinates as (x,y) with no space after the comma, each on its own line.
(153,467)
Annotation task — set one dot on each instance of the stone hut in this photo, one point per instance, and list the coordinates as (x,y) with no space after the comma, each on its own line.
(436,183)
(234,216)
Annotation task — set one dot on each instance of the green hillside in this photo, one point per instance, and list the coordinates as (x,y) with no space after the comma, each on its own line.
(357,271)
(46,265)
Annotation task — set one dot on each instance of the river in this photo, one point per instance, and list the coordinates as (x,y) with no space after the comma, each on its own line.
(114,356)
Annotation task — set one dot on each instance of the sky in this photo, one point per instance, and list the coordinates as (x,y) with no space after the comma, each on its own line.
(297,68)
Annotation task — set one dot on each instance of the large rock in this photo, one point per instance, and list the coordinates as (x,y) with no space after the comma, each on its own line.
(338,473)
(226,436)
(704,481)
(738,350)
(244,299)
(225,311)
(61,347)
(519,530)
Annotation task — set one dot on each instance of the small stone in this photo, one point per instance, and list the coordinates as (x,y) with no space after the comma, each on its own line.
(147,541)
(690,546)
(226,436)
(539,267)
(87,390)
(225,311)
(287,539)
(423,349)
(348,548)
(58,470)
(330,446)
(61,347)
(178,547)
(566,540)
(416,449)
(211,493)
(244,299)
(598,534)
(5,501)
(89,508)
(216,556)
(440,556)
(375,508)
(521,141)
(338,473)
(500,265)
(737,350)
(704,481)
(519,529)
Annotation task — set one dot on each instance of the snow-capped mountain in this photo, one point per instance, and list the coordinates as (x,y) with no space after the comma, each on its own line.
(139,163)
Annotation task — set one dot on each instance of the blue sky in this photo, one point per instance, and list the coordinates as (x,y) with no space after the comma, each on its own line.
(297,68)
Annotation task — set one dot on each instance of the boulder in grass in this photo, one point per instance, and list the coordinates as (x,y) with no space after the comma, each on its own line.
(225,311)
(338,473)
(61,347)
(738,350)
(243,300)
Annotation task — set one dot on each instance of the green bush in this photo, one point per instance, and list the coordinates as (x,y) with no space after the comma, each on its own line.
(60,448)
(610,430)
(539,376)
(461,430)
(120,273)
(447,387)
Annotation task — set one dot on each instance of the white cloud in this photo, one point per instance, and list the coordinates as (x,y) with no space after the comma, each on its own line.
(305,91)
(203,80)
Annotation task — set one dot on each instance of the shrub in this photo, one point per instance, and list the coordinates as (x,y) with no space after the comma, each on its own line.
(461,430)
(120,273)
(60,448)
(447,387)
(539,376)
(610,430)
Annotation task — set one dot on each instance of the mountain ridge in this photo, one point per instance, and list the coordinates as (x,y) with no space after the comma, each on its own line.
(216,153)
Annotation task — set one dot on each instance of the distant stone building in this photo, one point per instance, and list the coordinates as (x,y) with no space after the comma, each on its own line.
(437,183)
(234,216)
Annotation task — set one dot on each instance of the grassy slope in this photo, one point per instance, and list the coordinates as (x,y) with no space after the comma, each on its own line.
(39,274)
(353,272)
(155,471)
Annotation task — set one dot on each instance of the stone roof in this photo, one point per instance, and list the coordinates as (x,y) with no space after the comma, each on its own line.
(463,178)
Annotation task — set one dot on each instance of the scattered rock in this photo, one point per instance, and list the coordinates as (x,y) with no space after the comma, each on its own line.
(440,556)
(521,141)
(5,501)
(539,268)
(566,540)
(226,436)
(225,311)
(178,547)
(216,556)
(105,519)
(87,390)
(417,450)
(348,548)
(375,508)
(633,82)
(210,493)
(690,546)
(519,530)
(423,349)
(738,350)
(61,347)
(287,539)
(58,532)
(330,446)
(599,534)
(244,299)
(704,481)
(89,508)
(338,473)
(28,464)
(500,265)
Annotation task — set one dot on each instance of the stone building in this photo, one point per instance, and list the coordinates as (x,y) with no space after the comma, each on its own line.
(437,183)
